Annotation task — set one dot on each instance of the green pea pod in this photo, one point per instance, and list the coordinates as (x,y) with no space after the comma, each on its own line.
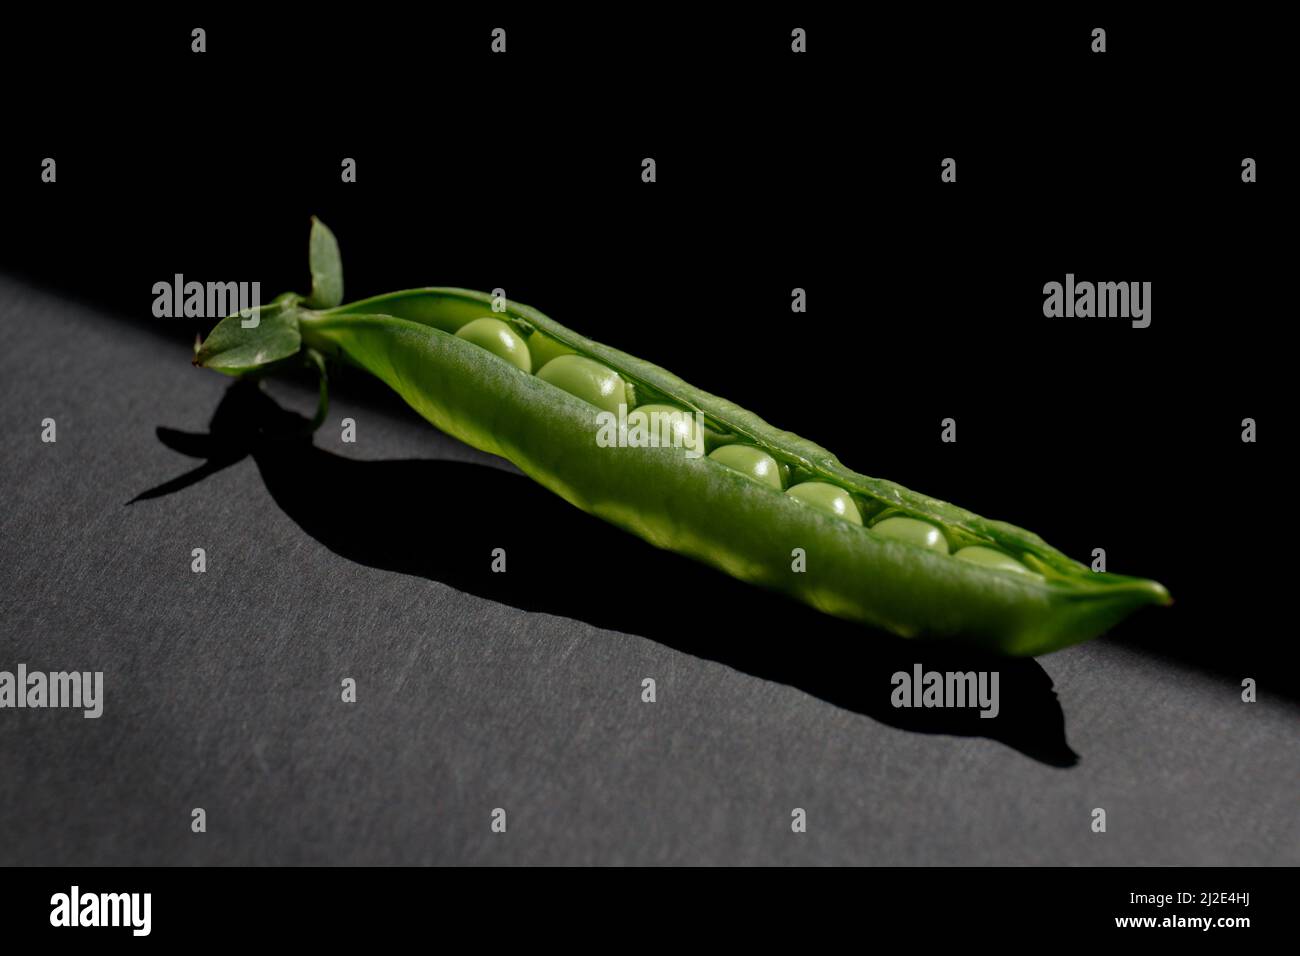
(703,509)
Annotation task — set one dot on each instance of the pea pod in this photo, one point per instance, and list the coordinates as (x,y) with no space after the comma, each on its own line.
(916,576)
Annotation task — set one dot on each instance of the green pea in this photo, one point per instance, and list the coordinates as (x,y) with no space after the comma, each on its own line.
(499,339)
(751,461)
(990,558)
(917,532)
(587,379)
(544,348)
(827,497)
(673,427)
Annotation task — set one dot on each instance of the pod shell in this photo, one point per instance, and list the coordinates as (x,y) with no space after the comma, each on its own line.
(706,511)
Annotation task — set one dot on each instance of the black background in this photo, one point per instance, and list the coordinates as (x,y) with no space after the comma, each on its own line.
(774,171)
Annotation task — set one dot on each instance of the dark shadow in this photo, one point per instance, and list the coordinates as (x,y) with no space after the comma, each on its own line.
(442,519)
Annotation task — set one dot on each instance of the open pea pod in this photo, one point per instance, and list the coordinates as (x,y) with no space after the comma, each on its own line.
(853,546)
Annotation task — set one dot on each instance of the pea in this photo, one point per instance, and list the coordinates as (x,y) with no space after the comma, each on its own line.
(499,339)
(827,497)
(587,379)
(990,558)
(677,431)
(917,532)
(751,461)
(544,348)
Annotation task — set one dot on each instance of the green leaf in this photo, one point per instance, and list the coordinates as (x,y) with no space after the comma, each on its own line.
(241,344)
(326,267)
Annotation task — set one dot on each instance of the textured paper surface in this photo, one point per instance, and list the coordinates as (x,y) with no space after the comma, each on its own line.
(223,689)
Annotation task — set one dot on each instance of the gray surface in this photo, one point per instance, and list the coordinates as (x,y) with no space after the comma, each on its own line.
(223,689)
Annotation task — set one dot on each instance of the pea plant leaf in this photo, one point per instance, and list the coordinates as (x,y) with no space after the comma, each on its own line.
(243,343)
(326,267)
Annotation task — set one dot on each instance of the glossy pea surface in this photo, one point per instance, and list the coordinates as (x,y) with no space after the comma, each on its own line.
(499,339)
(827,497)
(544,348)
(990,558)
(587,379)
(674,427)
(751,461)
(913,531)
